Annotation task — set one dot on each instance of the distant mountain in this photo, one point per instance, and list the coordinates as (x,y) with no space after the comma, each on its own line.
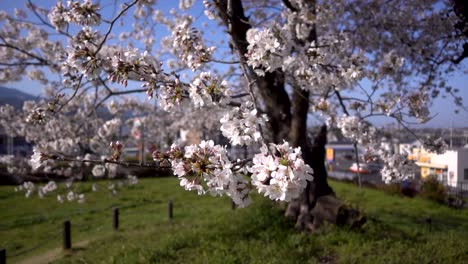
(14,97)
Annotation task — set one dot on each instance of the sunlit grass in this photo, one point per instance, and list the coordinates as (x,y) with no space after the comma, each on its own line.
(206,230)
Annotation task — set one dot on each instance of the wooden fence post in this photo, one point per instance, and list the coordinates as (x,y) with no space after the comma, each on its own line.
(115,218)
(429,224)
(2,256)
(170,207)
(66,235)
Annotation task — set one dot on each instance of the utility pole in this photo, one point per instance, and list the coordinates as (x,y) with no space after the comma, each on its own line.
(142,143)
(451,133)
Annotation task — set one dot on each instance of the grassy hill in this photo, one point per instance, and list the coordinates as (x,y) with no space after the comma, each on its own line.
(206,230)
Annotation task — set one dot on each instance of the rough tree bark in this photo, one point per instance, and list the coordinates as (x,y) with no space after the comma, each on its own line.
(287,121)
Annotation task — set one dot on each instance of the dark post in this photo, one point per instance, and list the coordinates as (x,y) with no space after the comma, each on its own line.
(170,209)
(233,205)
(115,222)
(429,223)
(2,256)
(66,235)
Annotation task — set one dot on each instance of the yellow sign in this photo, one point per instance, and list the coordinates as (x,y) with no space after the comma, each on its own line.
(330,154)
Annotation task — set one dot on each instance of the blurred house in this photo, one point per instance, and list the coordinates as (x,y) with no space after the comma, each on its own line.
(340,155)
(451,167)
(341,149)
(16,146)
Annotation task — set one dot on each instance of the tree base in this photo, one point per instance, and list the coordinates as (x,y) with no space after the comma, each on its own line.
(327,210)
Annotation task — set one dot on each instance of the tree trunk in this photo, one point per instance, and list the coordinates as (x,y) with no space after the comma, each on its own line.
(287,122)
(301,208)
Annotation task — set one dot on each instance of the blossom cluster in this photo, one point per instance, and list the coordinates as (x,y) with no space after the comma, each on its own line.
(191,49)
(131,64)
(71,196)
(171,94)
(51,186)
(435,144)
(207,89)
(206,168)
(186,4)
(417,103)
(356,129)
(109,128)
(82,57)
(27,186)
(38,115)
(85,14)
(265,50)
(37,158)
(396,168)
(281,176)
(98,171)
(391,63)
(209,10)
(240,125)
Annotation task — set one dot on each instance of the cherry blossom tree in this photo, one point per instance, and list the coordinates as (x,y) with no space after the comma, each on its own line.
(270,67)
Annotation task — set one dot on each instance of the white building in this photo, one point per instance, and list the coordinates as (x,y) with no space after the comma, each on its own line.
(450,167)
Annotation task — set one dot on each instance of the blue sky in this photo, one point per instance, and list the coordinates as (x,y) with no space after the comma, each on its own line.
(443,109)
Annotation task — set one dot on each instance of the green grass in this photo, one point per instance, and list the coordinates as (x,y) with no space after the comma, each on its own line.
(206,230)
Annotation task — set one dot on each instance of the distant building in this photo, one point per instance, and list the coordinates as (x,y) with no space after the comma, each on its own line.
(340,155)
(341,150)
(451,167)
(16,146)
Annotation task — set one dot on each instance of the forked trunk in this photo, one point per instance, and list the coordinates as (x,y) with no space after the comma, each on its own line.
(288,121)
(318,204)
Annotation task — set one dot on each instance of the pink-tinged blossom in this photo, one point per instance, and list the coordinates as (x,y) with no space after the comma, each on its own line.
(397,168)
(186,4)
(58,16)
(206,168)
(356,129)
(280,177)
(241,124)
(110,128)
(85,14)
(209,10)
(265,49)
(29,187)
(81,198)
(71,196)
(179,168)
(435,144)
(189,45)
(37,158)
(98,171)
(171,94)
(49,187)
(208,90)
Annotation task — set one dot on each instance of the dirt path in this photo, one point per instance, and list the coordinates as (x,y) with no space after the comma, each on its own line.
(54,254)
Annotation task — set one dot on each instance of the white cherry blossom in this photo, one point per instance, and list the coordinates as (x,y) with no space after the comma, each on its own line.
(280,177)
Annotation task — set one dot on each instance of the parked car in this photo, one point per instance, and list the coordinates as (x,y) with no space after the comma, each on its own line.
(366,168)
